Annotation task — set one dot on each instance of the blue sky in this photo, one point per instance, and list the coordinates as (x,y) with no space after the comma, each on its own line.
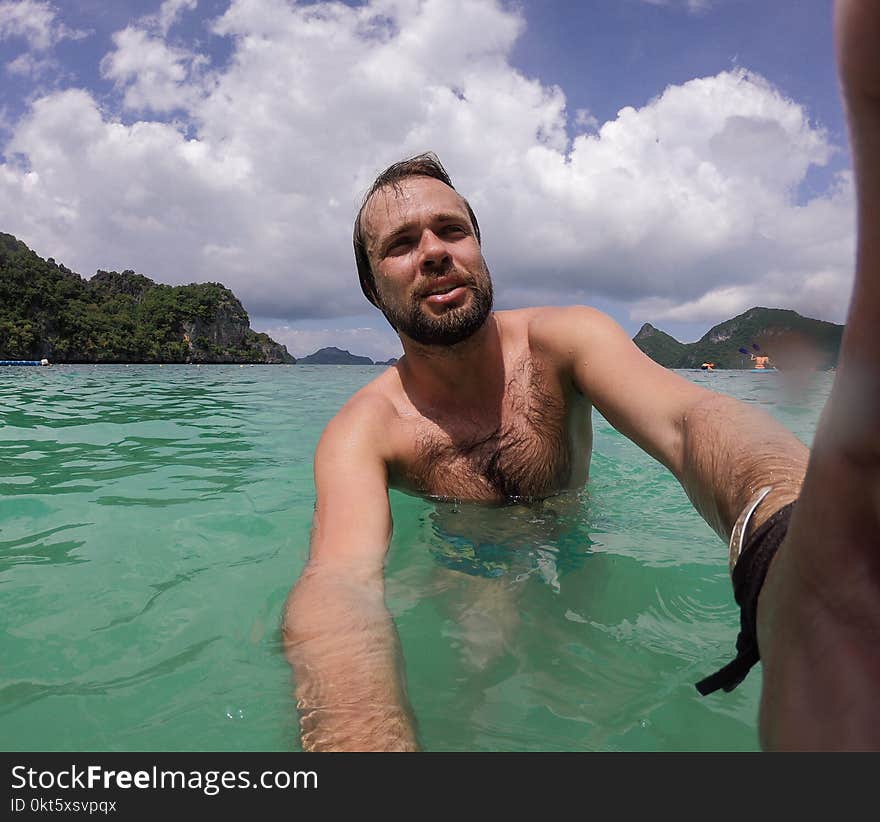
(672,162)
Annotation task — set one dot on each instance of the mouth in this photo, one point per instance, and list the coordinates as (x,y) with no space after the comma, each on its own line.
(452,293)
(444,285)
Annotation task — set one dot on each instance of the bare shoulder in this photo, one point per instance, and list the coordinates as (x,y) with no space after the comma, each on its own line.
(363,422)
(566,329)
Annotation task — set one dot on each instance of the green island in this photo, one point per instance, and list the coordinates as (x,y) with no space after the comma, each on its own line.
(48,311)
(790,340)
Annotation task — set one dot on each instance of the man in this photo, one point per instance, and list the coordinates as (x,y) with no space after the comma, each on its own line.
(486,407)
(495,406)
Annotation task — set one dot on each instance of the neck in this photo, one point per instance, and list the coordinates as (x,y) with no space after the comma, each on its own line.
(467,373)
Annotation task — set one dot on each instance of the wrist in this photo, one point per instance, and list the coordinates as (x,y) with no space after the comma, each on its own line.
(750,557)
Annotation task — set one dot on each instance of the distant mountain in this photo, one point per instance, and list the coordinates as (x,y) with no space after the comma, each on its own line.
(47,310)
(789,339)
(334,356)
(659,346)
(387,362)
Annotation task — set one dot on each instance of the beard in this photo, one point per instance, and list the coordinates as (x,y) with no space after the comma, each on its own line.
(450,327)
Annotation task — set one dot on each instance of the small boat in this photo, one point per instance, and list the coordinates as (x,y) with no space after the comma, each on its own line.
(44,361)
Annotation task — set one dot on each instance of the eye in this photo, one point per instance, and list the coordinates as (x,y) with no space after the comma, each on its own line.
(455,230)
(398,245)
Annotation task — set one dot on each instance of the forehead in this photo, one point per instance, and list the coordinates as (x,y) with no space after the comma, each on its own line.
(417,199)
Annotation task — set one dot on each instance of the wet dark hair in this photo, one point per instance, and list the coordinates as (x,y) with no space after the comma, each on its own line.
(422,165)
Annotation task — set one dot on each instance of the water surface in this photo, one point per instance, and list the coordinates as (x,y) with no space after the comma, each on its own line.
(152,520)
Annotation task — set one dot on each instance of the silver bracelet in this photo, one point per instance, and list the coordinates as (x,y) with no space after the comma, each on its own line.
(738,535)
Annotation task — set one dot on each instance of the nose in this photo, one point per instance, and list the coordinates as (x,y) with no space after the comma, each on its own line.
(433,254)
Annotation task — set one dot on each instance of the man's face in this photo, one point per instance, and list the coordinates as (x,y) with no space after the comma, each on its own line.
(431,278)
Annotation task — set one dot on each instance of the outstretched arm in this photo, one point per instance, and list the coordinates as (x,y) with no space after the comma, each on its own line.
(819,610)
(721,450)
(338,634)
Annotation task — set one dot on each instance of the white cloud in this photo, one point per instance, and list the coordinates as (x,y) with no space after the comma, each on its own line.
(170,12)
(690,5)
(156,77)
(694,191)
(36,21)
(585,120)
(689,202)
(29,65)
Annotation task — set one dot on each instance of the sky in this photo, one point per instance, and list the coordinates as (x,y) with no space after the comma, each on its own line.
(668,161)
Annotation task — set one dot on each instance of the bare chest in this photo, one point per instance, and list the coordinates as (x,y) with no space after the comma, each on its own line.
(531,446)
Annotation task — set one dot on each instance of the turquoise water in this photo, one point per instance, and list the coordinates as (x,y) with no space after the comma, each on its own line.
(153,519)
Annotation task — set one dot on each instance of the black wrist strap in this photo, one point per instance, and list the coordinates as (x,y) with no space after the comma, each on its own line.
(748,578)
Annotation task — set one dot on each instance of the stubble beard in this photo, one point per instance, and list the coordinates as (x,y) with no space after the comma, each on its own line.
(450,327)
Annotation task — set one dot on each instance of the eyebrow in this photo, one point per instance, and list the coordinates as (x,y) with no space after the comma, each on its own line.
(437,217)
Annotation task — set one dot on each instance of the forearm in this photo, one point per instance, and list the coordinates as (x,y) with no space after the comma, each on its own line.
(852,417)
(818,620)
(342,644)
(818,615)
(729,451)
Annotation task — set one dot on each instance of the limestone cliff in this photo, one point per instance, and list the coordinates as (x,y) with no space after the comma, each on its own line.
(46,310)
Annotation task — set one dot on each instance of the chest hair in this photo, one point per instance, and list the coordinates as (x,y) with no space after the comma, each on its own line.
(524,455)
